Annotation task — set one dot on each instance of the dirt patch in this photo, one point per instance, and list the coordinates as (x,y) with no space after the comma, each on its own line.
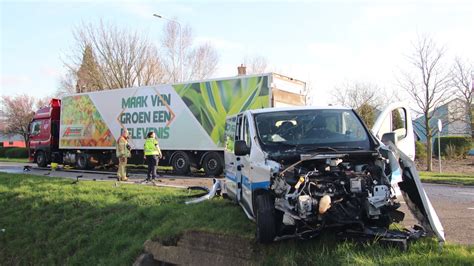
(202,248)
(460,166)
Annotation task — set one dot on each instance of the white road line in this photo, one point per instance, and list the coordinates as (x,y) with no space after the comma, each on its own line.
(466,193)
(470,208)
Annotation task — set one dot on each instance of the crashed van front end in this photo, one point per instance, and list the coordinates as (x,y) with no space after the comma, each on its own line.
(297,172)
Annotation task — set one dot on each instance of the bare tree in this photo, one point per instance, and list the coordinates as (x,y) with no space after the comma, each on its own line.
(182,59)
(364,97)
(256,64)
(107,57)
(462,78)
(428,85)
(19,111)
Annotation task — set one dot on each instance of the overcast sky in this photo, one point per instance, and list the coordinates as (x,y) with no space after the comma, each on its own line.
(325,43)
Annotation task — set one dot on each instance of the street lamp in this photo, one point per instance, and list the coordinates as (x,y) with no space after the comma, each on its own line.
(180,42)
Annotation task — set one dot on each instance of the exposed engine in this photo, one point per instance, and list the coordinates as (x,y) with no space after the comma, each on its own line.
(328,191)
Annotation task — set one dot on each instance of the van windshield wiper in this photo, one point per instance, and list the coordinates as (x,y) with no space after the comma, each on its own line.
(323,148)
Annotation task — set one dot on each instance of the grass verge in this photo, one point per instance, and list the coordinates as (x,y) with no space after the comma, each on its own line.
(14,160)
(50,221)
(447,178)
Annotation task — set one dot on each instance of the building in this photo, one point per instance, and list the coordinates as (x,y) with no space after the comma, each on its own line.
(454,118)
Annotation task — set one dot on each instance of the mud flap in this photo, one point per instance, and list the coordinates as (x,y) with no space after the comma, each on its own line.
(417,200)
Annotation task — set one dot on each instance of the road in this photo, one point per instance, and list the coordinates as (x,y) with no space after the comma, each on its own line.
(454,204)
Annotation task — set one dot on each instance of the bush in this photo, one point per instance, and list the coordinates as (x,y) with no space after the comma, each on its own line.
(460,146)
(14,152)
(420,150)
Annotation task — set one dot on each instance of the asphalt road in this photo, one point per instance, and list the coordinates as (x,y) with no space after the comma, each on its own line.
(453,204)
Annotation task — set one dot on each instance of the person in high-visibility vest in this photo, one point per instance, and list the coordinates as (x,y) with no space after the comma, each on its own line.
(152,152)
(123,153)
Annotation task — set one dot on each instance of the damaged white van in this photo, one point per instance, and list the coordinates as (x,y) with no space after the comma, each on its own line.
(298,170)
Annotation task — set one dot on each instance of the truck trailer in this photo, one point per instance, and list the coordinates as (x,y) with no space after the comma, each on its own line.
(188,119)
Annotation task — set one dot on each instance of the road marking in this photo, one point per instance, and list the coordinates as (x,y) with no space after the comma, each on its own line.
(466,193)
(470,208)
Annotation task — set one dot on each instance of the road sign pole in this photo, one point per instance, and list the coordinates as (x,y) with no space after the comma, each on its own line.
(439,151)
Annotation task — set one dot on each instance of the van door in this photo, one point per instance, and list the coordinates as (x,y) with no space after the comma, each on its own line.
(245,166)
(396,118)
(233,177)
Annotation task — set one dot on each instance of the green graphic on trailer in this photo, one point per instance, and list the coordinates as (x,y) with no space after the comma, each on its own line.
(211,102)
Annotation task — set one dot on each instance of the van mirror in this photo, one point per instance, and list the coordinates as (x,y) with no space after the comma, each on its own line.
(389,137)
(241,148)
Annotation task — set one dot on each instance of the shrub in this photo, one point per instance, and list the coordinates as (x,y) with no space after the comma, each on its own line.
(420,150)
(14,152)
(451,152)
(461,145)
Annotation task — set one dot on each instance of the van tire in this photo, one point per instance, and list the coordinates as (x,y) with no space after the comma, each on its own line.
(213,164)
(266,226)
(41,159)
(181,163)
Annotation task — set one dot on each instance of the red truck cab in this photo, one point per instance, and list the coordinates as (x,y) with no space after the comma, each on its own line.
(44,133)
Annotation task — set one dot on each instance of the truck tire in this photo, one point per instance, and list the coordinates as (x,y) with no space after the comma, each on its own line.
(41,159)
(213,164)
(181,163)
(82,162)
(266,226)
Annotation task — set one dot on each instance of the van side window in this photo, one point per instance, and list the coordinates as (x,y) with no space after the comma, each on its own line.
(247,137)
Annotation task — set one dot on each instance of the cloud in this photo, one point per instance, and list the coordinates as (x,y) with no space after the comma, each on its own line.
(221,44)
(50,72)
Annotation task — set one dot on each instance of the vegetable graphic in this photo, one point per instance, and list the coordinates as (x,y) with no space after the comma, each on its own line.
(80,114)
(212,101)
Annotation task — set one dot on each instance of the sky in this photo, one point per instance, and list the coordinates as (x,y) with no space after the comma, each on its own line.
(325,43)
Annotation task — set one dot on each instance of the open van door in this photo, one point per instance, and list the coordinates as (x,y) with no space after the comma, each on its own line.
(395,125)
(396,119)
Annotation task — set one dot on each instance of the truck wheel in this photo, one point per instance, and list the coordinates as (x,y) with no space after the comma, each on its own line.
(81,162)
(266,230)
(41,159)
(213,164)
(181,163)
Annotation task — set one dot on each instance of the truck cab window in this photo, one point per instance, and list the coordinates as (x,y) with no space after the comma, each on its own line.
(35,128)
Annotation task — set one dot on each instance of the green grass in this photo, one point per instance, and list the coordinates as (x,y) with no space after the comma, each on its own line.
(50,221)
(447,178)
(14,160)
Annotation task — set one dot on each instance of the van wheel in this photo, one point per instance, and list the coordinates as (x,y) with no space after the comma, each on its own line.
(212,164)
(181,163)
(41,160)
(81,162)
(266,230)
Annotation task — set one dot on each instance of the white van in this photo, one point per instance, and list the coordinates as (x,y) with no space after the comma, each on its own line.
(298,170)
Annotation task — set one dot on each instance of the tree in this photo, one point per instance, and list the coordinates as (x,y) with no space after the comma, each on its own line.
(462,77)
(107,57)
(181,59)
(363,97)
(19,111)
(256,65)
(88,75)
(428,85)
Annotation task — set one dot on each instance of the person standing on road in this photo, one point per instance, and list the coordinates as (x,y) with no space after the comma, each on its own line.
(123,153)
(152,152)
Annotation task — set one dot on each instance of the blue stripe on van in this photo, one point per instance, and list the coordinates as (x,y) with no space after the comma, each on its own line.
(246,182)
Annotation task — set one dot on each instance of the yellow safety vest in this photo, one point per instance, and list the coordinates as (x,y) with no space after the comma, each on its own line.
(151,147)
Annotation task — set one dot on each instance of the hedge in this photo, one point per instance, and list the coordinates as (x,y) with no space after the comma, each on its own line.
(461,145)
(420,150)
(13,152)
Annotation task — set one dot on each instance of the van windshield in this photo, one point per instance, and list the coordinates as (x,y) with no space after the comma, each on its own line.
(337,129)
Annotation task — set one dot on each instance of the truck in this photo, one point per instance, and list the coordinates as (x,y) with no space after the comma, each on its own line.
(296,171)
(187,118)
